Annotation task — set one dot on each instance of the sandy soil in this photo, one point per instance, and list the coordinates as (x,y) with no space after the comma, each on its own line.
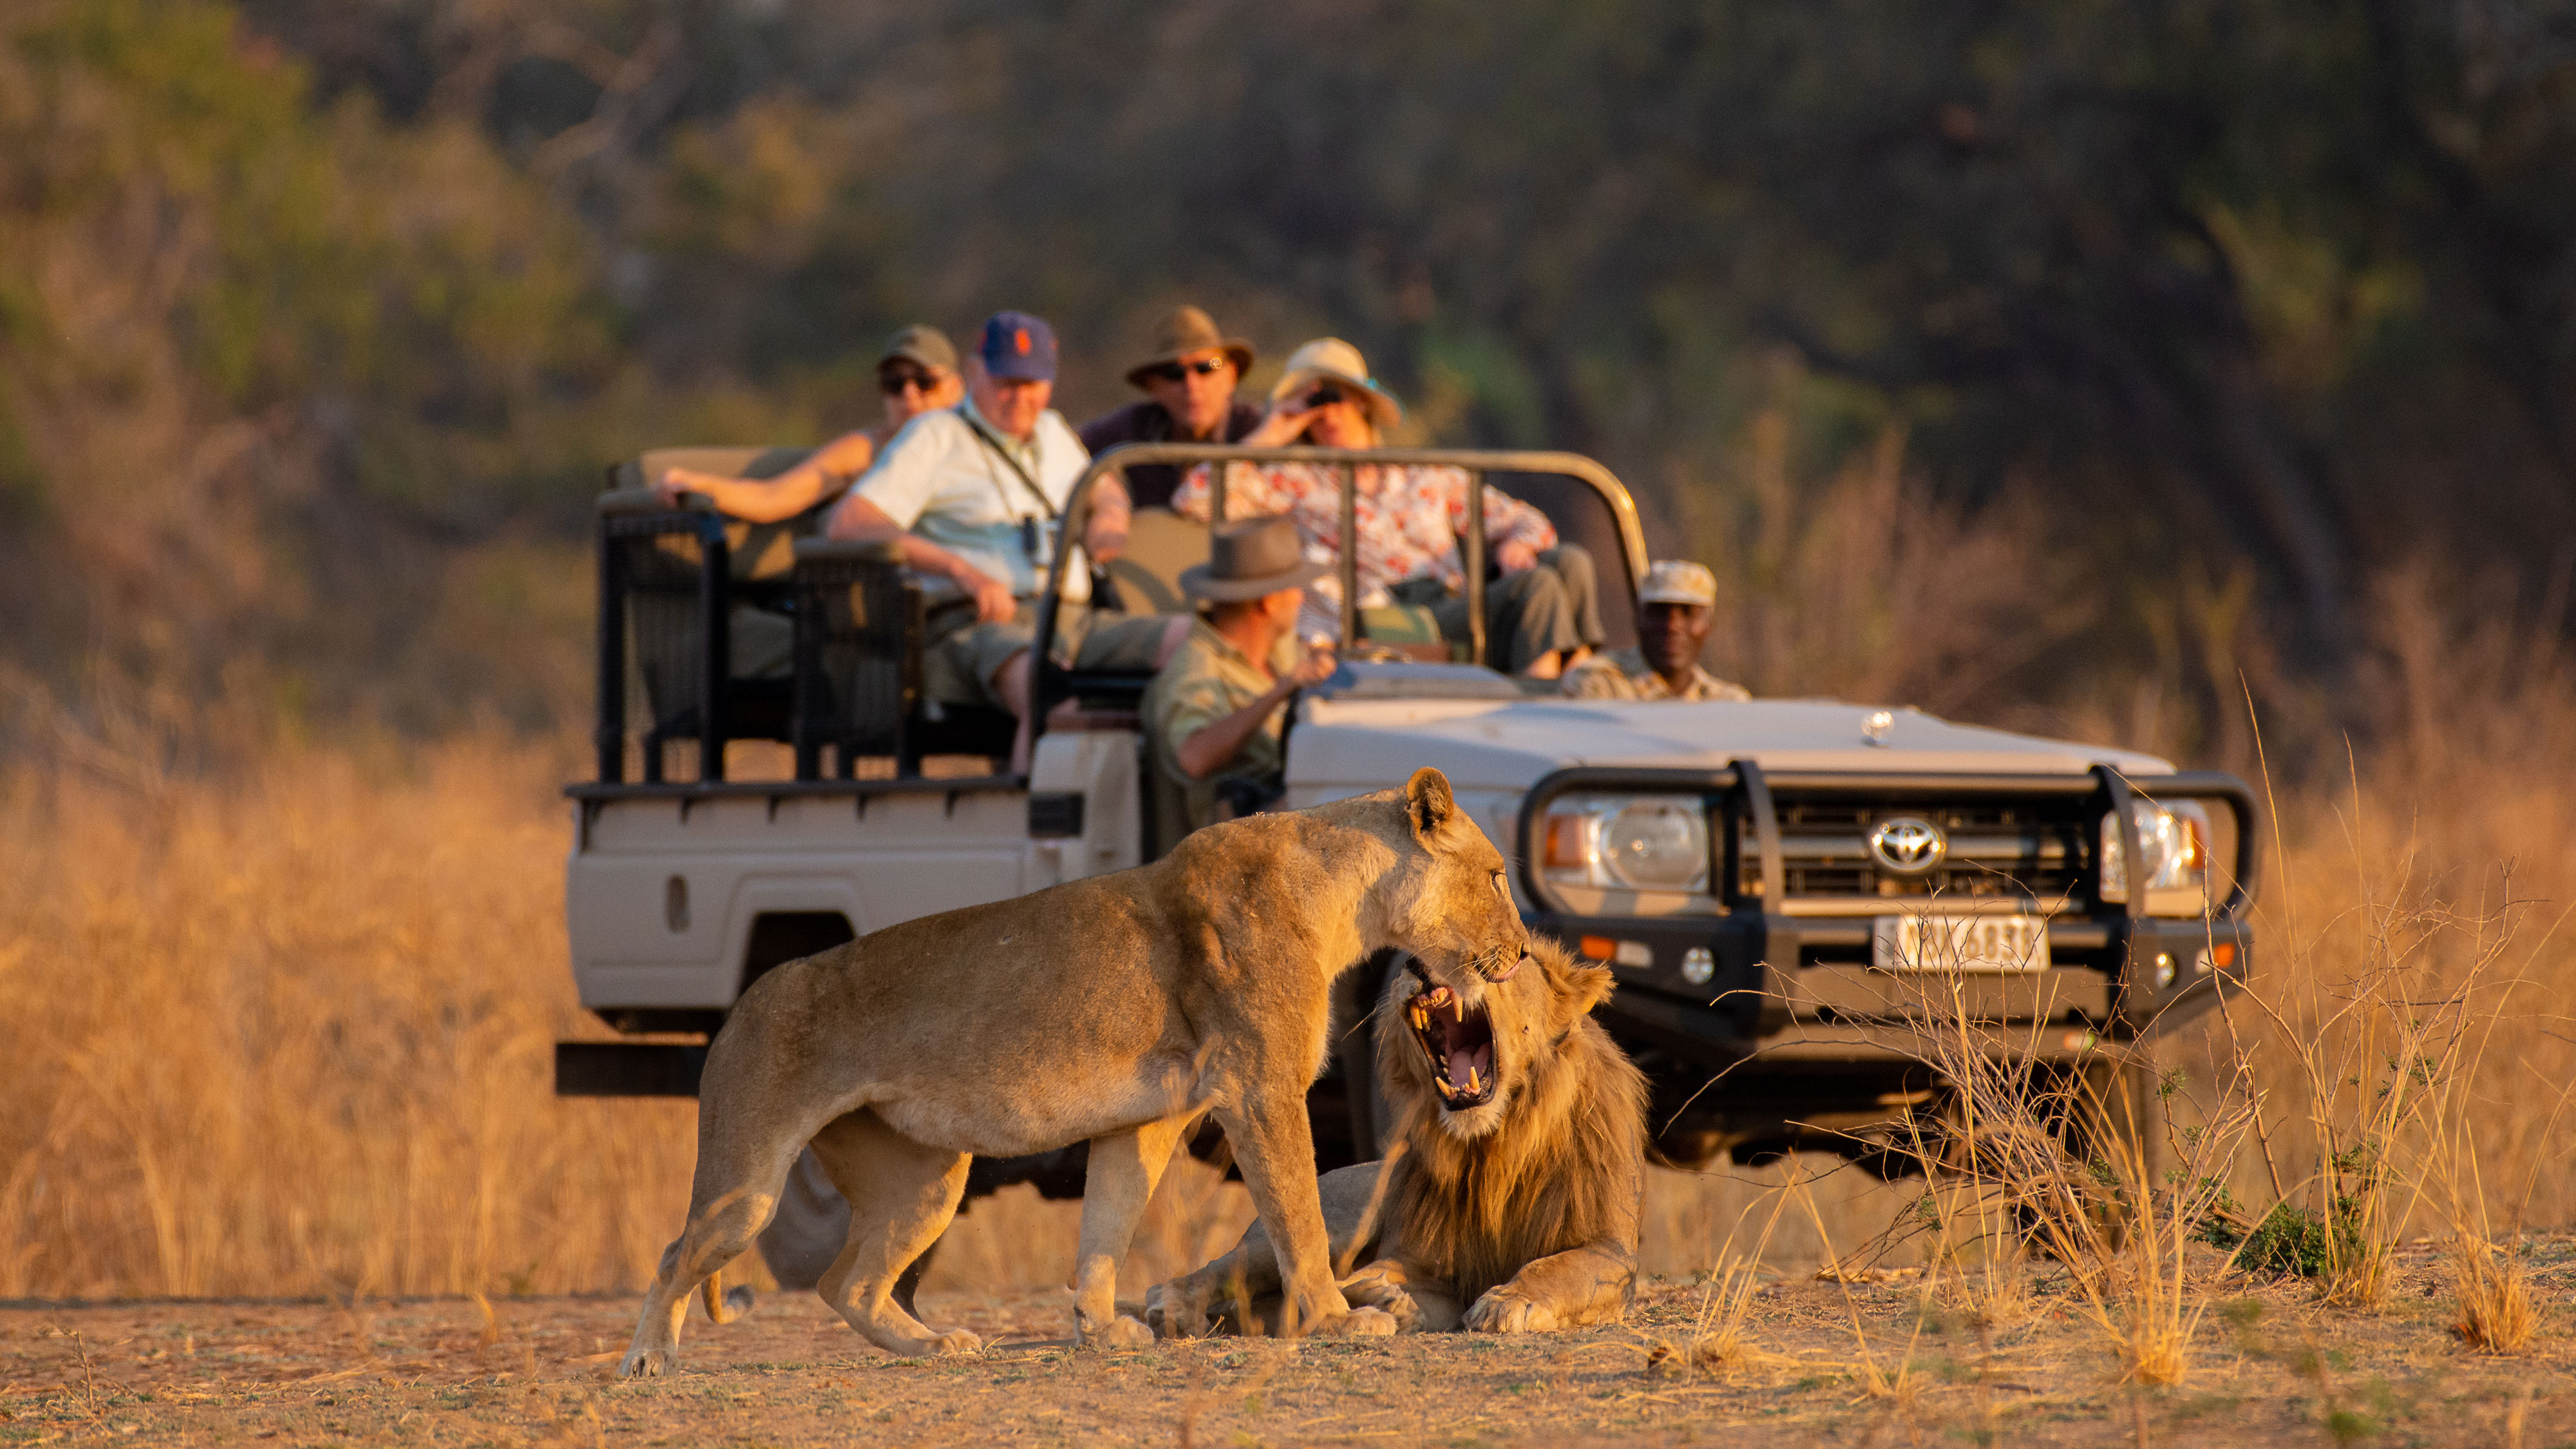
(2269,1364)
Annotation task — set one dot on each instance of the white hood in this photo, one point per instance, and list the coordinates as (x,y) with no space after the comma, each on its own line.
(1347,747)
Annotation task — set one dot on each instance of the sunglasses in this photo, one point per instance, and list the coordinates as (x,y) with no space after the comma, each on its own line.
(1180,371)
(892,384)
(1324,397)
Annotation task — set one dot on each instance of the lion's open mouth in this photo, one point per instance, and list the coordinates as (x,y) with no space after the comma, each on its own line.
(1460,1044)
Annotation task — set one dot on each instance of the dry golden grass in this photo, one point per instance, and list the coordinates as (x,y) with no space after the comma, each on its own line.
(291,1034)
(284,1028)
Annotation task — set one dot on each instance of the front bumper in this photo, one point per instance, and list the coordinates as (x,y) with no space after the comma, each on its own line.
(1719,989)
(1800,988)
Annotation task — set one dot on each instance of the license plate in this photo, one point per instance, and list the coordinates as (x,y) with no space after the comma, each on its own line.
(1960,943)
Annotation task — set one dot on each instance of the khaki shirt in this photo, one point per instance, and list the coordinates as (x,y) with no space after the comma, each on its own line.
(1208,680)
(1624,674)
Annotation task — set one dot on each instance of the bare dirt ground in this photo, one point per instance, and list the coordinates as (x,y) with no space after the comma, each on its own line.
(2270,1365)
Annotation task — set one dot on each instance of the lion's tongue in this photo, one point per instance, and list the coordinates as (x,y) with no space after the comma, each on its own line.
(1460,1064)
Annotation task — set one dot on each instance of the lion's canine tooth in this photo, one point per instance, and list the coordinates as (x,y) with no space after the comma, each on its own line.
(1461,1005)
(1472,1086)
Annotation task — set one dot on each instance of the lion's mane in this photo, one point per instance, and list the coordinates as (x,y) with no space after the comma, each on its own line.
(1562,1168)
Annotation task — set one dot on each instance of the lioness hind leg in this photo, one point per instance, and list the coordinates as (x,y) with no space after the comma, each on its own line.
(720,1229)
(902,1194)
(1124,1167)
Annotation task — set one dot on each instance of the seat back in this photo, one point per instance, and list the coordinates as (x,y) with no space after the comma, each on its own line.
(858,654)
(1160,543)
(761,552)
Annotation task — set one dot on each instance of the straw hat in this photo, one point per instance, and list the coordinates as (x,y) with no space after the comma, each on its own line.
(1330,359)
(1184,331)
(1251,558)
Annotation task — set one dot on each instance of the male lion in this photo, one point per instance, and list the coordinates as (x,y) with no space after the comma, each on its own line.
(1513,1188)
(1116,1010)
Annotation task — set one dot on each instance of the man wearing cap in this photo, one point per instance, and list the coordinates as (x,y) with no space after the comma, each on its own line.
(1189,380)
(917,374)
(973,496)
(1675,609)
(1541,614)
(1215,709)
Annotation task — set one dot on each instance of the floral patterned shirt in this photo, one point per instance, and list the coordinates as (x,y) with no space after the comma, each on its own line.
(1407,525)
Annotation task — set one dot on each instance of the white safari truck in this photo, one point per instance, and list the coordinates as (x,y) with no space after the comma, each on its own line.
(1774,882)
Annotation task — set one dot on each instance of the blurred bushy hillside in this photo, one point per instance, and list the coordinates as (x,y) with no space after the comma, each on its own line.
(2088,358)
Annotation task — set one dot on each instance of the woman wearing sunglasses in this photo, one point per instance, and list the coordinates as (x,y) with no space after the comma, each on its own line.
(1541,615)
(1189,381)
(917,374)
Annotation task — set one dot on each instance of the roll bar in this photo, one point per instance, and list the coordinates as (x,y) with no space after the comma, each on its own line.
(1477,461)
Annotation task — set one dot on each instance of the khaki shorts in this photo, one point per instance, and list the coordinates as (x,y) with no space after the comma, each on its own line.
(961,657)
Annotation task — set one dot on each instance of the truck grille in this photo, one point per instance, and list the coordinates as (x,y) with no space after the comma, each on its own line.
(2031,849)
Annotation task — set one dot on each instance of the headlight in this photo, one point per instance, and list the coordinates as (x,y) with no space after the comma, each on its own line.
(2173,850)
(1628,842)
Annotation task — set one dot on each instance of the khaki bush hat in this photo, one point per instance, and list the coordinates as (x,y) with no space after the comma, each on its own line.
(1251,558)
(1184,331)
(1678,581)
(1330,359)
(920,343)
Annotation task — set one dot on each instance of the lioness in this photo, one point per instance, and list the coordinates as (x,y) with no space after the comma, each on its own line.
(1115,1009)
(1514,1192)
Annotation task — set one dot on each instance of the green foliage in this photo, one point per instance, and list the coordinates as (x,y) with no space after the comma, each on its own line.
(2298,1242)
(2187,288)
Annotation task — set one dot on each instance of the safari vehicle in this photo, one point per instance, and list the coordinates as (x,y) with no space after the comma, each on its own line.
(1783,887)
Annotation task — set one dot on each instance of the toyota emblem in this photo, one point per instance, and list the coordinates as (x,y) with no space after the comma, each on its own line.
(1908,845)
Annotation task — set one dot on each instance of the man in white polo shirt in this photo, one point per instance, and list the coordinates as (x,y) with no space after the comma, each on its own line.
(973,495)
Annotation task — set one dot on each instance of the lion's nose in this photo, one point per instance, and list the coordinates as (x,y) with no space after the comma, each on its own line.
(1506,973)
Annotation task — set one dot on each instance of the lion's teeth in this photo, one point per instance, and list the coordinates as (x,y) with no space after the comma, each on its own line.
(1472,1087)
(1461,1005)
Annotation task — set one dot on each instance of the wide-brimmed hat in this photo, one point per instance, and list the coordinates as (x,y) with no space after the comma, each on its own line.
(1251,558)
(1184,331)
(1330,359)
(921,343)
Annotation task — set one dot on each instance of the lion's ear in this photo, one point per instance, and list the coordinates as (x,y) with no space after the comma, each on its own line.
(1580,987)
(1427,800)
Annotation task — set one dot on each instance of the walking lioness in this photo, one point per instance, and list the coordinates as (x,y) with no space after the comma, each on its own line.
(1114,1010)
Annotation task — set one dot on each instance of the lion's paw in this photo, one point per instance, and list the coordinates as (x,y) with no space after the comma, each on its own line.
(1502,1311)
(955,1341)
(1370,1290)
(1358,1323)
(645,1363)
(1175,1313)
(1121,1333)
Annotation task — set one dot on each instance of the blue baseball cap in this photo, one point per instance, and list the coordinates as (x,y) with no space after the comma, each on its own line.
(1019,347)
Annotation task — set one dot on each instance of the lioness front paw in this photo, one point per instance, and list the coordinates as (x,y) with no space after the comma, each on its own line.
(644,1363)
(1118,1333)
(1503,1311)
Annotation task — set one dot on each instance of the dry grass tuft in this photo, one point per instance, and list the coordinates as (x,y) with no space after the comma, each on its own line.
(2494,1292)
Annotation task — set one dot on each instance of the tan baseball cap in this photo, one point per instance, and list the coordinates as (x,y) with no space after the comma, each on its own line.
(921,343)
(1678,581)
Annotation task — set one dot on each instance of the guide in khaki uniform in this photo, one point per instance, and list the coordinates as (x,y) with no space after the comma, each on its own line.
(1215,709)
(1676,607)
